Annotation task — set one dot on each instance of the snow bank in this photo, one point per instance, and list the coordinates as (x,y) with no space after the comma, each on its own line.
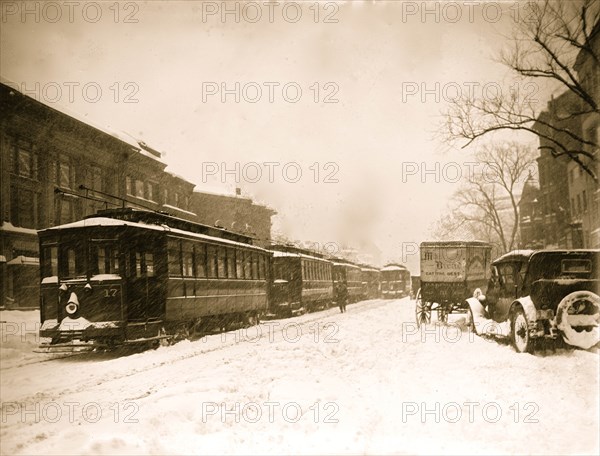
(19,337)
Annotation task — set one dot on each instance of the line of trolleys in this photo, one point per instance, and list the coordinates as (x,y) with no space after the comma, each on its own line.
(128,276)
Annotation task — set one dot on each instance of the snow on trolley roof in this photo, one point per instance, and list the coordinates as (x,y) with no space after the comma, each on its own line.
(394,267)
(335,263)
(278,254)
(105,221)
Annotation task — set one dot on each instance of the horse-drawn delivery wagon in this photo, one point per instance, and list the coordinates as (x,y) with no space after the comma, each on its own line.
(450,272)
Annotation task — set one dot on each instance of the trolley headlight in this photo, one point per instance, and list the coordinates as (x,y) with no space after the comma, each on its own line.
(71,308)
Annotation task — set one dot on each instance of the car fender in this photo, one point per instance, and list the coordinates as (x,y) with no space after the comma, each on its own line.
(477,308)
(528,307)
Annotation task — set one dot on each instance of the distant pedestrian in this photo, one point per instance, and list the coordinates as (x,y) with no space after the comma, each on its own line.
(343,297)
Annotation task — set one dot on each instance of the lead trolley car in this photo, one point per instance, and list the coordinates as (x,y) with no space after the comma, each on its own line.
(451,272)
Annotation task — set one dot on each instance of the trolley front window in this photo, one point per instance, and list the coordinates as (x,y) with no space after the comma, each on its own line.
(104,257)
(72,260)
(49,261)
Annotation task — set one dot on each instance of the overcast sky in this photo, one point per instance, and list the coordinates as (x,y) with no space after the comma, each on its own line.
(167,57)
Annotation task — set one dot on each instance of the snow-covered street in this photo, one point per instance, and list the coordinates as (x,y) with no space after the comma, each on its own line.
(366,381)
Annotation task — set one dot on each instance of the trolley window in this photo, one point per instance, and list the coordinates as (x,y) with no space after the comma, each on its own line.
(200,260)
(261,267)
(239,264)
(247,265)
(104,258)
(255,265)
(138,264)
(231,263)
(188,259)
(174,254)
(211,254)
(222,262)
(72,260)
(149,264)
(50,261)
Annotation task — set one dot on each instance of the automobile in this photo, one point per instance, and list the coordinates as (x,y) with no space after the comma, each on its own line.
(543,294)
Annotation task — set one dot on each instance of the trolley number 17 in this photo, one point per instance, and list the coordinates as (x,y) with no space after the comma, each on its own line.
(110,292)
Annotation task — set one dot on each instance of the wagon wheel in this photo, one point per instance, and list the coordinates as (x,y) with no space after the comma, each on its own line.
(442,313)
(164,341)
(422,310)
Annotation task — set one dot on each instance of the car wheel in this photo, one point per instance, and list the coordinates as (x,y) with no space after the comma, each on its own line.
(520,332)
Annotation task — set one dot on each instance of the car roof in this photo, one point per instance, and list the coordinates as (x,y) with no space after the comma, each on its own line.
(514,255)
(525,255)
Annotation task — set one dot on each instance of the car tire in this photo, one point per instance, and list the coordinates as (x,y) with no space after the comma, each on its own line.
(519,332)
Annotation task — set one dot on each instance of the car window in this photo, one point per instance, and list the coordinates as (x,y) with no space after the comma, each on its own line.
(507,279)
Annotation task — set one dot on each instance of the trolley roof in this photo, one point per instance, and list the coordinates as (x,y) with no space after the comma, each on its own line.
(106,221)
(394,267)
(292,249)
(163,218)
(277,254)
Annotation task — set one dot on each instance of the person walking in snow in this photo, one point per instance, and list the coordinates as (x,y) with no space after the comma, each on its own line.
(343,296)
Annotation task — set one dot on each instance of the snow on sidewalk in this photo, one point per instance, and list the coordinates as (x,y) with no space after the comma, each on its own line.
(366,381)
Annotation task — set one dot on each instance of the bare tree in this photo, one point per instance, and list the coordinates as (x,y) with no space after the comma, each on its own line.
(548,39)
(486,206)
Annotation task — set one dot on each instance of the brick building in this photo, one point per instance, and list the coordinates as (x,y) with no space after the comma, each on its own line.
(234,213)
(569,198)
(56,168)
(584,192)
(553,200)
(530,217)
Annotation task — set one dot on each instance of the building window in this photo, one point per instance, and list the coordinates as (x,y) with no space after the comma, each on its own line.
(95,178)
(176,199)
(23,208)
(24,161)
(139,189)
(584,198)
(579,203)
(151,191)
(65,210)
(65,172)
(166,196)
